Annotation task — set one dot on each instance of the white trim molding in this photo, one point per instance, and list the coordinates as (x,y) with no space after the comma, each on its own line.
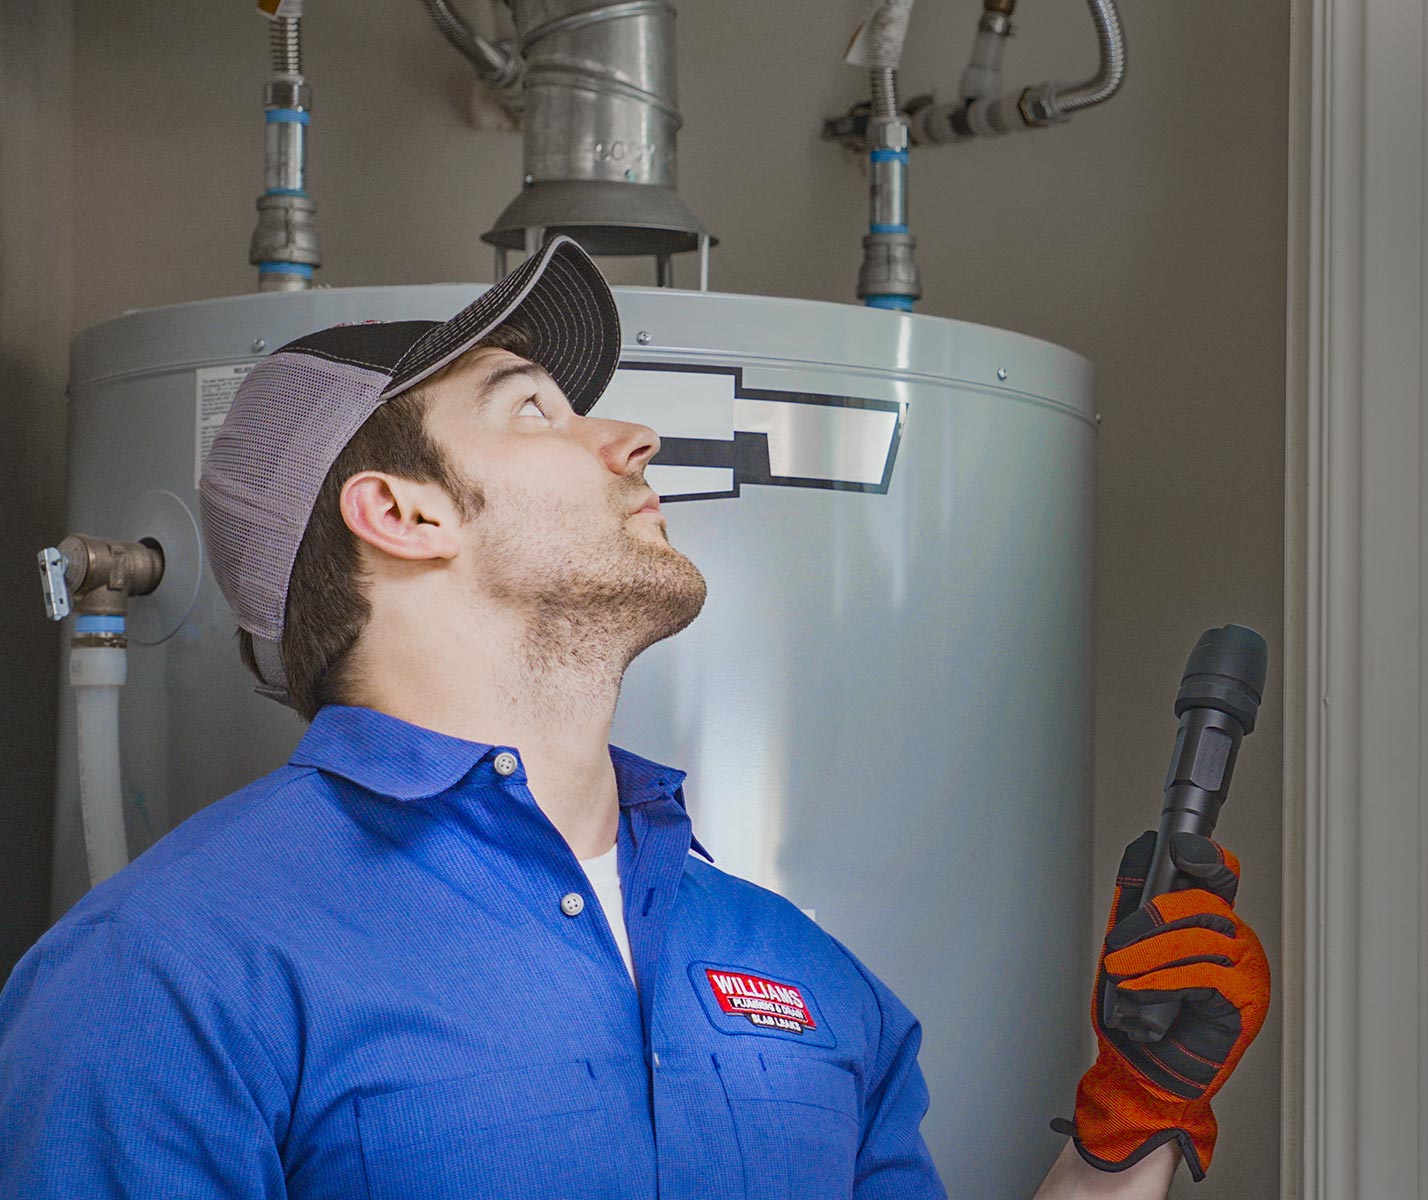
(1356,1061)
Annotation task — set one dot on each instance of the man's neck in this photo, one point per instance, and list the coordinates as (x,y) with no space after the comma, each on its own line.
(555,707)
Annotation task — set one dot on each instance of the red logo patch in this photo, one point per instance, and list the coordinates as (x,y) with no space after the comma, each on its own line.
(767,1003)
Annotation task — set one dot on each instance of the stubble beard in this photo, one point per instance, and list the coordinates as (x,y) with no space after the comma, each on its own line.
(591,606)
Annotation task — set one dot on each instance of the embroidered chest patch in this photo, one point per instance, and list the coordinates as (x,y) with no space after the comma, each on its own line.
(767,1004)
(740,1000)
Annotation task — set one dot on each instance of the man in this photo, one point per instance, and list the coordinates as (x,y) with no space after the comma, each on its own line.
(460,946)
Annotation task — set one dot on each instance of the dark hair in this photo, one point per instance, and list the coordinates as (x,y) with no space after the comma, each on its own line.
(327,606)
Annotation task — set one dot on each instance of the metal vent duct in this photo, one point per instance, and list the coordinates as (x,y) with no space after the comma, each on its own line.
(601,117)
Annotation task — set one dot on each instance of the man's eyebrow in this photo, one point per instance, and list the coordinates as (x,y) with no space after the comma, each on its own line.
(488,383)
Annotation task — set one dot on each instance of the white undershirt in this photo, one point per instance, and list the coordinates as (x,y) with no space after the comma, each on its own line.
(604,875)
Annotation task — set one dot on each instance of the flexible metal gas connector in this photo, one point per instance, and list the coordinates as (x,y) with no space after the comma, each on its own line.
(496,66)
(285,38)
(1035,107)
(888,275)
(1106,82)
(284,245)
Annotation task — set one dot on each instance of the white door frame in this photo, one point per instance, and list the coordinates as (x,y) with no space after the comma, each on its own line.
(1355,976)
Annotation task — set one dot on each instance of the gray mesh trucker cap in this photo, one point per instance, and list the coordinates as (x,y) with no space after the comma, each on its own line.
(300,406)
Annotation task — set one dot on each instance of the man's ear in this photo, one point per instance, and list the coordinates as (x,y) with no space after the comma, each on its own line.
(409,520)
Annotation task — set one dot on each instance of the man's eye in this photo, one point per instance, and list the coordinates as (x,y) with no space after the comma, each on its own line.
(530,402)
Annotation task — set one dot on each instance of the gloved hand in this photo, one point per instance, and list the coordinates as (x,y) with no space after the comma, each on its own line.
(1188,945)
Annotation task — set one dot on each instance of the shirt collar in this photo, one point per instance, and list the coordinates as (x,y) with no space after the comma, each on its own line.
(395,758)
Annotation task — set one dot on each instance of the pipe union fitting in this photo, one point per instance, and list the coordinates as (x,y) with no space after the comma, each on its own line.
(889,268)
(286,231)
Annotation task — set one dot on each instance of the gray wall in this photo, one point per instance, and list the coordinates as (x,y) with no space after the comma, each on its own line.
(36,272)
(1149,236)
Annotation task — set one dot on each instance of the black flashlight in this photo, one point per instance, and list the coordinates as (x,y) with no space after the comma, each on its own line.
(1219,697)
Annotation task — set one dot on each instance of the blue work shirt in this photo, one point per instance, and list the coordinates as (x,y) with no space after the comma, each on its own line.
(356,977)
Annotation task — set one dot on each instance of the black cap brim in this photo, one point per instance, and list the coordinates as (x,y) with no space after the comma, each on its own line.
(560,299)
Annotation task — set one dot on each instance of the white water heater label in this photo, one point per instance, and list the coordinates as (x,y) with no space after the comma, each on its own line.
(718,434)
(213,391)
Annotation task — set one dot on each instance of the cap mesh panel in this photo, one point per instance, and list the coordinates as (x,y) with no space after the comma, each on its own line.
(290,419)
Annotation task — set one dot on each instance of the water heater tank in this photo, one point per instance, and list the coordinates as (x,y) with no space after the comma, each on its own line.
(884,708)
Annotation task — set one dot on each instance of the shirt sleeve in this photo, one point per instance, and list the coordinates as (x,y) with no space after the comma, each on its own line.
(124,1074)
(893,1160)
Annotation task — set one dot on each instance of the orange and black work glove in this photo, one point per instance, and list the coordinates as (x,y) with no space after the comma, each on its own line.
(1184,945)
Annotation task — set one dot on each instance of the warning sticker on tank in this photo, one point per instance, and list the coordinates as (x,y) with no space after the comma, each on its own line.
(213,391)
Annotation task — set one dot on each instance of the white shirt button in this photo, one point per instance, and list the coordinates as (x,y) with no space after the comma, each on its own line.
(572,904)
(505,763)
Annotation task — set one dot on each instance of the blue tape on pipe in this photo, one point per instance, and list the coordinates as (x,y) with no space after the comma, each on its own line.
(889,155)
(286,116)
(888,228)
(902,303)
(282,268)
(284,192)
(99,624)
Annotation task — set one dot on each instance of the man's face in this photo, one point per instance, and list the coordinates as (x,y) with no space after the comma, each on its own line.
(565,535)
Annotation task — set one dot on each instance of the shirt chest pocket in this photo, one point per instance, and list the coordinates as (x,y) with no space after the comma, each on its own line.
(796,1119)
(552,1131)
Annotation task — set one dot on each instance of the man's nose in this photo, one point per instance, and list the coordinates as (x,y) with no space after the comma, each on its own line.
(625,447)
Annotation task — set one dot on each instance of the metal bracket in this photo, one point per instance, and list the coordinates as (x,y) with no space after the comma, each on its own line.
(53,564)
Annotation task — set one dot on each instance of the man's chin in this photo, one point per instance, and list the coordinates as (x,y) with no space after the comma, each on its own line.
(669,592)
